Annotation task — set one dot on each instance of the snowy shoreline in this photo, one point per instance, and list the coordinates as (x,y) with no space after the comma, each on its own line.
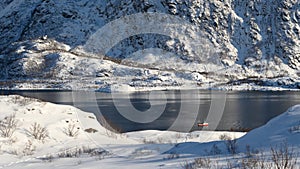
(95,146)
(125,88)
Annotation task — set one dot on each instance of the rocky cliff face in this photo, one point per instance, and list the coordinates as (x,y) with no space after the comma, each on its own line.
(255,34)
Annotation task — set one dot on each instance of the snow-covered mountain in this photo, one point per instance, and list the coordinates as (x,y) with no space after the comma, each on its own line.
(258,42)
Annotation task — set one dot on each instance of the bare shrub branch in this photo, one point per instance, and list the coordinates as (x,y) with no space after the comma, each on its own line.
(72,130)
(28,149)
(38,132)
(284,157)
(8,125)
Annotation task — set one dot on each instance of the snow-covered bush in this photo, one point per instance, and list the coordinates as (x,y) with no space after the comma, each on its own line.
(250,163)
(8,125)
(202,162)
(38,132)
(172,156)
(284,157)
(197,163)
(22,101)
(71,130)
(78,151)
(29,148)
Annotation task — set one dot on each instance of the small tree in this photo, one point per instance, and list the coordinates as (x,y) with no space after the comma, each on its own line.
(8,125)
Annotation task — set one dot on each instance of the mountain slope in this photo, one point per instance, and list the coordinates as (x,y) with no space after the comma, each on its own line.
(255,39)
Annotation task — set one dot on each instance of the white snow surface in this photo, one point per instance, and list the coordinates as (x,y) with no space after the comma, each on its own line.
(141,149)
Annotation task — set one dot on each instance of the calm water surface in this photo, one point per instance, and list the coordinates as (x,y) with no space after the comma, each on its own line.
(243,109)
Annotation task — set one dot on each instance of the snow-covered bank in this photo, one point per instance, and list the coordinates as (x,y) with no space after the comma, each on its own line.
(284,128)
(92,146)
(57,119)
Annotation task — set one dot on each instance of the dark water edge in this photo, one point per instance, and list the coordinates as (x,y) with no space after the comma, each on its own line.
(244,110)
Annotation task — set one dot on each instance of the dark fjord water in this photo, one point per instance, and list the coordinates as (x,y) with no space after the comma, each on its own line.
(243,109)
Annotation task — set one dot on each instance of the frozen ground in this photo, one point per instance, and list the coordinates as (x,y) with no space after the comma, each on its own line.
(100,148)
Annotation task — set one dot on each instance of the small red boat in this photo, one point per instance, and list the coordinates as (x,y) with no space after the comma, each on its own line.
(202,124)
